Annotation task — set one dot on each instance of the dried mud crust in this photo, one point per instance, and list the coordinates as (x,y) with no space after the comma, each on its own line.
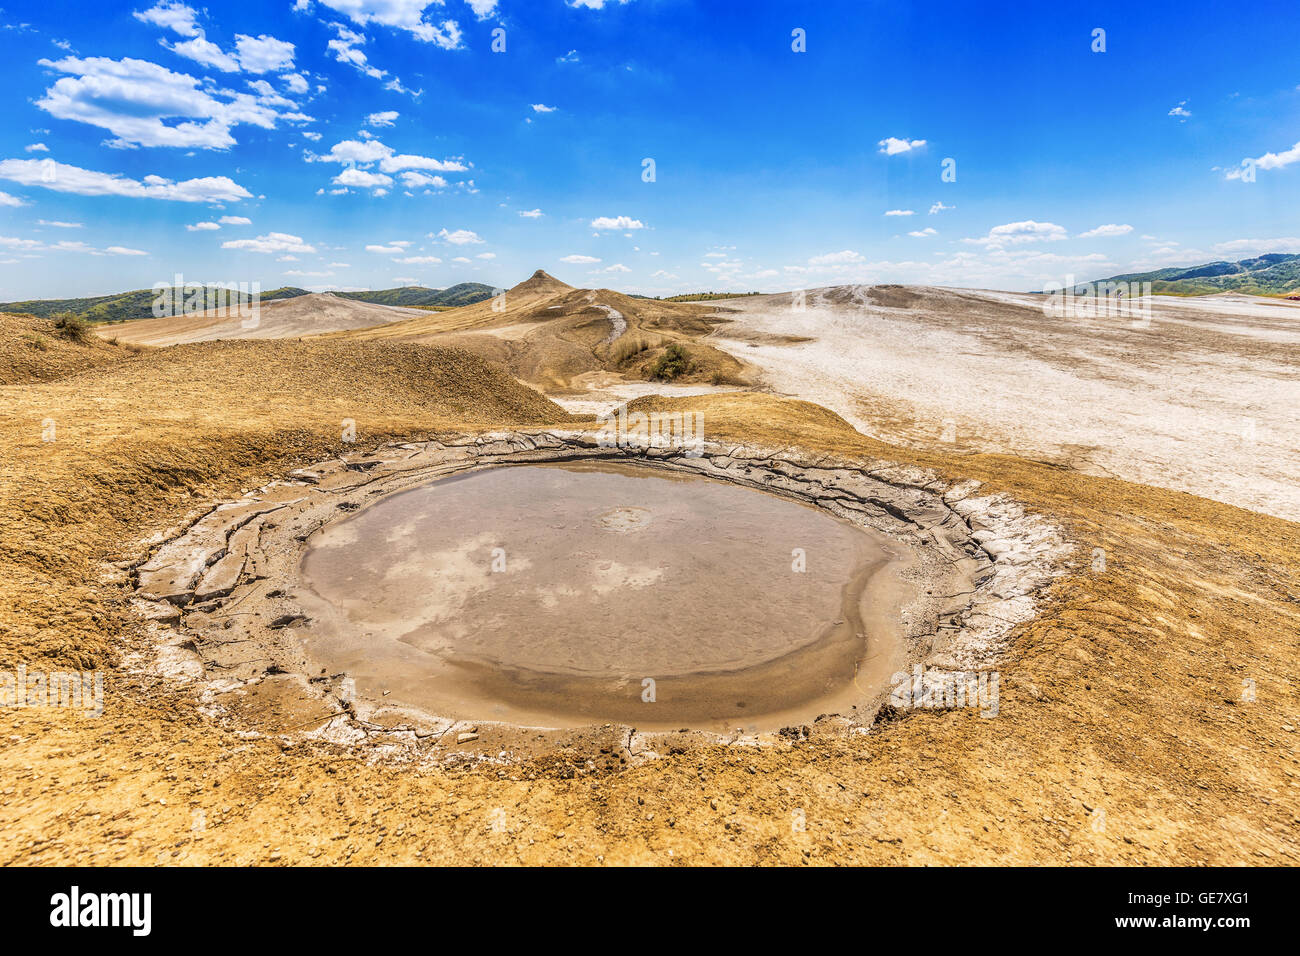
(219,594)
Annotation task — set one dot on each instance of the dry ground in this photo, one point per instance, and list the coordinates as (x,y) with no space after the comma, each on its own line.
(1202,398)
(553,336)
(313,314)
(1123,698)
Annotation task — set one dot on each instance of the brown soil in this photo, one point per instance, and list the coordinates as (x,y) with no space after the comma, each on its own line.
(1123,735)
(549,334)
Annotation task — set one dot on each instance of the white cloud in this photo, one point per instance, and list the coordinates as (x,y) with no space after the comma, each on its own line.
(1270,161)
(900,212)
(296,82)
(483,8)
(59,224)
(579,260)
(892,146)
(418,260)
(530,213)
(202,227)
(405,15)
(271,242)
(63,178)
(923,233)
(9,200)
(37,148)
(594,4)
(203,51)
(1015,233)
(176,17)
(263,54)
(486,255)
(394,248)
(543,108)
(382,118)
(461,237)
(570,57)
(1180,111)
(362,179)
(1110,229)
(616,267)
(235,221)
(621,223)
(414,180)
(124,251)
(939,207)
(145,104)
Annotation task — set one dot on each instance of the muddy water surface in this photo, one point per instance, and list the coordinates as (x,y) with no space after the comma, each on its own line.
(562,594)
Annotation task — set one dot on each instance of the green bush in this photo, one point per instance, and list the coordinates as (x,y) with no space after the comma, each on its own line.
(673,363)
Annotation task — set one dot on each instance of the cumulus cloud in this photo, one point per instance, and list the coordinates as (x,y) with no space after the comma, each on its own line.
(1110,229)
(63,178)
(271,242)
(899,212)
(235,221)
(1015,233)
(382,118)
(202,227)
(9,200)
(579,260)
(405,15)
(1269,161)
(144,104)
(530,213)
(362,179)
(543,108)
(892,146)
(460,237)
(620,223)
(259,54)
(263,54)
(176,17)
(923,233)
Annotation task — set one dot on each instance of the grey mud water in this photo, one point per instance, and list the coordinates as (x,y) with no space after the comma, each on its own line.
(562,594)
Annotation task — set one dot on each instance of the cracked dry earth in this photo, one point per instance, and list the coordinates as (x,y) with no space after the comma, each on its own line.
(1124,734)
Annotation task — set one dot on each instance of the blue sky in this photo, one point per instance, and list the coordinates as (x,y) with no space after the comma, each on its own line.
(345,144)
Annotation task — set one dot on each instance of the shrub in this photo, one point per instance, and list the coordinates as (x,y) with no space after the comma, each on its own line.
(673,363)
(72,326)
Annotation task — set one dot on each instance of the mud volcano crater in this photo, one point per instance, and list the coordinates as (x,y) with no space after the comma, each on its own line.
(434,593)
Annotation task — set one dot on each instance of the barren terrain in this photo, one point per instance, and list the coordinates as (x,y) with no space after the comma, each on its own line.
(1148,711)
(1202,398)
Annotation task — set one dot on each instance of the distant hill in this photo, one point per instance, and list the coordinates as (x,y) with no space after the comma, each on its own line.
(138,304)
(1273,274)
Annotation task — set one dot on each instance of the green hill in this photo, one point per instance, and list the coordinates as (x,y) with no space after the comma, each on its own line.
(138,304)
(1273,274)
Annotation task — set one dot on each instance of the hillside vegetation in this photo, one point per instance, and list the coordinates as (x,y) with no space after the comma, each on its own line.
(138,304)
(1273,274)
